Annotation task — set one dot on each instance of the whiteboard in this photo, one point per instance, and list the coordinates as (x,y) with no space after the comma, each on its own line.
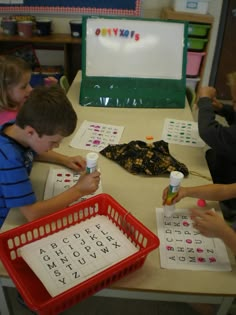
(134,48)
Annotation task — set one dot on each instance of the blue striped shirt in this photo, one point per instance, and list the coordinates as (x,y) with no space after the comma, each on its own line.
(16,163)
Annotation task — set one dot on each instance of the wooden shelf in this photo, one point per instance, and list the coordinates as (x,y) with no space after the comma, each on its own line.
(54,38)
(171,14)
(70,45)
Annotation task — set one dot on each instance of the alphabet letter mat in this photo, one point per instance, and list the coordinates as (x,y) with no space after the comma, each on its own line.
(60,179)
(96,136)
(69,257)
(182,132)
(183,247)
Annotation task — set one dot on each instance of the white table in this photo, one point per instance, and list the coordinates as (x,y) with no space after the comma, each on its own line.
(141,195)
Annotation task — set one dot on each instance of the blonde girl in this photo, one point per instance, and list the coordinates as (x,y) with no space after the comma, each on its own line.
(15,86)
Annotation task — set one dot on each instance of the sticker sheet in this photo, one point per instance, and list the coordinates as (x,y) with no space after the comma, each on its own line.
(95,136)
(61,179)
(182,132)
(73,255)
(183,247)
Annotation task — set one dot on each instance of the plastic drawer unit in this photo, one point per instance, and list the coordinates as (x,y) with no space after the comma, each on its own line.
(196,44)
(199,30)
(192,82)
(194,60)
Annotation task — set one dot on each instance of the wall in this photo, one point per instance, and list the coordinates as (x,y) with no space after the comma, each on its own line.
(152,9)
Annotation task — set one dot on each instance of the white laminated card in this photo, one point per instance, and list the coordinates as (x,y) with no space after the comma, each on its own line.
(61,179)
(69,257)
(183,247)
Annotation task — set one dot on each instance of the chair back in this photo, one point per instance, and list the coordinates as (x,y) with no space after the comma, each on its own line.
(64,83)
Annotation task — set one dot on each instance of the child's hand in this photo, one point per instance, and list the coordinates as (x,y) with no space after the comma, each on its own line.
(180,194)
(216,104)
(164,195)
(208,223)
(50,81)
(88,183)
(76,163)
(207,91)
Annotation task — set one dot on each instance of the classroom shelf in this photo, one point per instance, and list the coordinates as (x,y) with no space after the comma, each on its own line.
(70,45)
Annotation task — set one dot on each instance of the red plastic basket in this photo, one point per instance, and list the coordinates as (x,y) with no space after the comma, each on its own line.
(30,287)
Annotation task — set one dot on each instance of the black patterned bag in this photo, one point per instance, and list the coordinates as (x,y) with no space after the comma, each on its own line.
(139,157)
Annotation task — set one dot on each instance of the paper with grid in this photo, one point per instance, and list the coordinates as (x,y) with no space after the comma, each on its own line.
(69,257)
(182,132)
(183,247)
(95,136)
(61,179)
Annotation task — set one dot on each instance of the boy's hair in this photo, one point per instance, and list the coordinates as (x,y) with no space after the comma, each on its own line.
(48,111)
(11,70)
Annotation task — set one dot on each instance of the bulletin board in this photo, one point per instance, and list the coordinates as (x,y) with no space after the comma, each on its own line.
(97,7)
(133,62)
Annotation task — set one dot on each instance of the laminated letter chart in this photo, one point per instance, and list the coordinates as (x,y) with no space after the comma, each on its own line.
(95,136)
(182,132)
(60,179)
(183,247)
(69,257)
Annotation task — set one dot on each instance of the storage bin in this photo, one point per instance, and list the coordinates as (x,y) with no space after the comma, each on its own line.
(200,30)
(193,62)
(196,44)
(194,6)
(30,287)
(192,83)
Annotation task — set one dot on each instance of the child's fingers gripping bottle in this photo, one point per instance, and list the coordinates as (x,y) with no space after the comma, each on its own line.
(91,159)
(175,181)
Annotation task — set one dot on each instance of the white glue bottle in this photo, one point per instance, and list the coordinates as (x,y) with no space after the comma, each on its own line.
(91,159)
(175,181)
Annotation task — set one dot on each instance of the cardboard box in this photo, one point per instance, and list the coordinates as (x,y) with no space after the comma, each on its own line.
(193,6)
